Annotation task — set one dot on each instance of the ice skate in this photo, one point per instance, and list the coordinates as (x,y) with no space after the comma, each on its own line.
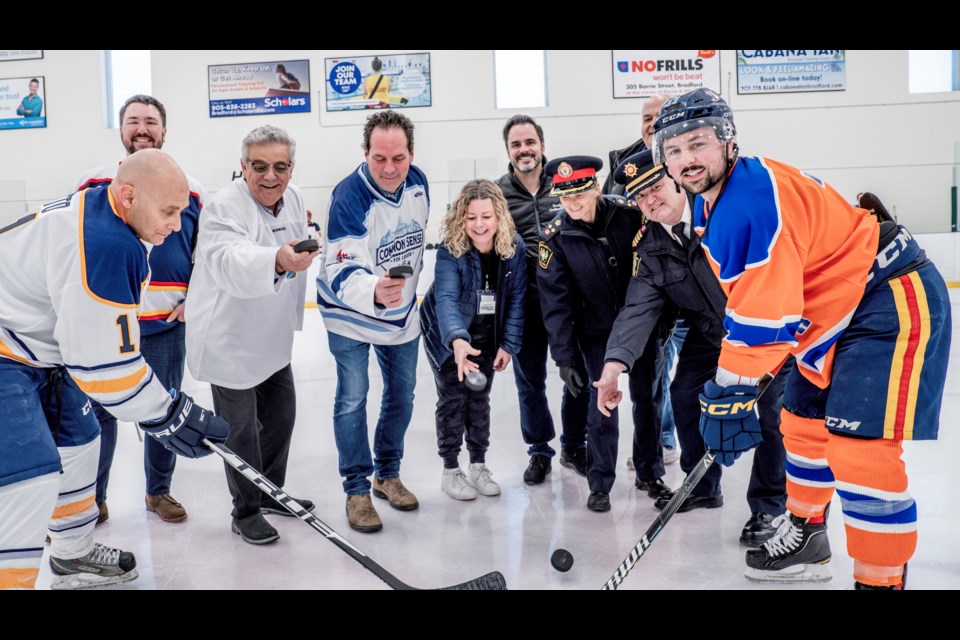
(798,552)
(101,567)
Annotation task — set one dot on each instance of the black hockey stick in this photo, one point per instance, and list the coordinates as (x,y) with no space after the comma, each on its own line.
(493,581)
(681,494)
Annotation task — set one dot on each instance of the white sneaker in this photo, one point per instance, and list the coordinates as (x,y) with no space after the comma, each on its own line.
(670,456)
(456,485)
(480,478)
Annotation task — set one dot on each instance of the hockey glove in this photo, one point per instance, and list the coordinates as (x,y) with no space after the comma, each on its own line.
(575,380)
(185,427)
(728,421)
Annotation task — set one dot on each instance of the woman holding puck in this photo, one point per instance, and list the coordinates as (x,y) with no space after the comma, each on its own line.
(472,320)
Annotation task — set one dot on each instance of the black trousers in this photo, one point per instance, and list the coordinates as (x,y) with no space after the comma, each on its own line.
(261,423)
(646,395)
(462,411)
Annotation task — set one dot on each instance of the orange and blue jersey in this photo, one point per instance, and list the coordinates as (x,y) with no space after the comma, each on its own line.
(793,258)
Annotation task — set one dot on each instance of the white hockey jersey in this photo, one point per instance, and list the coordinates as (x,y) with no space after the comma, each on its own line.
(366,234)
(170,263)
(240,315)
(73,273)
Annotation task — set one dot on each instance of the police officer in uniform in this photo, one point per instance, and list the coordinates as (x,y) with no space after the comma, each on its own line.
(670,271)
(584,270)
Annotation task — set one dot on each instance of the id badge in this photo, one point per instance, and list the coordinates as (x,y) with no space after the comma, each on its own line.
(486,302)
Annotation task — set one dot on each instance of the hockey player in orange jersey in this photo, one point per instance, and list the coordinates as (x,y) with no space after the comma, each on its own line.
(864,311)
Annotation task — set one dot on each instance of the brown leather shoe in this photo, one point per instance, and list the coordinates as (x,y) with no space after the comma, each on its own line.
(168,509)
(362,515)
(392,489)
(104,514)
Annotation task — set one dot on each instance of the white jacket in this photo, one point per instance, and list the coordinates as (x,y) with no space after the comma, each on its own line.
(240,315)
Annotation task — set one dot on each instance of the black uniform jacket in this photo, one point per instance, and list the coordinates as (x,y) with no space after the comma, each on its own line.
(583,273)
(666,277)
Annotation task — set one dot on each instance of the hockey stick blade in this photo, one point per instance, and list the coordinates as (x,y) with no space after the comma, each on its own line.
(696,474)
(493,581)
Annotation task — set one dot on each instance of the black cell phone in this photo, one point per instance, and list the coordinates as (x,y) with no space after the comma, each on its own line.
(308,245)
(401,271)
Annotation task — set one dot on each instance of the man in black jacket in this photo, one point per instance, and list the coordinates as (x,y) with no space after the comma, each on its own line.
(532,207)
(670,270)
(651,107)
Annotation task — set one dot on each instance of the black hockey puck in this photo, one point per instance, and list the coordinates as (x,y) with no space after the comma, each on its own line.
(475,381)
(561,560)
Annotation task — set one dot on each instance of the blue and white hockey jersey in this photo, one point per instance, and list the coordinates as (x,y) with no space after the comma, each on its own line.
(73,276)
(367,233)
(170,263)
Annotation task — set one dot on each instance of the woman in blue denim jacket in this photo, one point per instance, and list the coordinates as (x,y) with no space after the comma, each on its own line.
(472,320)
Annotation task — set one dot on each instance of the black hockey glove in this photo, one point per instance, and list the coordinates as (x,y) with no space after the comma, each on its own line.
(185,427)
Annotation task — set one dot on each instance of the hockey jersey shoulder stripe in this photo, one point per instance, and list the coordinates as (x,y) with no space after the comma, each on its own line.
(113,261)
(744,229)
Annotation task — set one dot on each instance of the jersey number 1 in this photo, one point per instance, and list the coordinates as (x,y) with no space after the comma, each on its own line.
(126,346)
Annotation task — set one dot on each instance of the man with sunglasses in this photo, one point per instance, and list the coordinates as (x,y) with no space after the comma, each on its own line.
(246,301)
(143,125)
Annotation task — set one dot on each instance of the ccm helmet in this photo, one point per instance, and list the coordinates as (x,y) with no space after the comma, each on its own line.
(689,112)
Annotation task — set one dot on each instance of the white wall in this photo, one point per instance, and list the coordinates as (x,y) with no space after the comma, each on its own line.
(873,136)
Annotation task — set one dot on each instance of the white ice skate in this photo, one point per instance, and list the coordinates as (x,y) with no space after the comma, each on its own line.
(101,567)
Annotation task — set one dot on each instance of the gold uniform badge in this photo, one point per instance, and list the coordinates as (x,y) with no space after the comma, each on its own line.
(636,264)
(545,254)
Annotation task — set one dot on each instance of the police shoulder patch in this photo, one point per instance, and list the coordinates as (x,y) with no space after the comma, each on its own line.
(545,254)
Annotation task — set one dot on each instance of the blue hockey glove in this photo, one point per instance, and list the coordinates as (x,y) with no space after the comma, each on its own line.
(185,427)
(728,421)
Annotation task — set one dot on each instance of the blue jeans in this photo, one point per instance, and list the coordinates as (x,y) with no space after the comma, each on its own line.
(668,436)
(165,353)
(398,365)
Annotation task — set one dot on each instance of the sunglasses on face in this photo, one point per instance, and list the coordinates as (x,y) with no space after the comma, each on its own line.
(279,168)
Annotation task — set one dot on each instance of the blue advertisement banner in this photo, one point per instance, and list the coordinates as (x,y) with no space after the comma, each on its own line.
(259,88)
(790,70)
(378,82)
(23,103)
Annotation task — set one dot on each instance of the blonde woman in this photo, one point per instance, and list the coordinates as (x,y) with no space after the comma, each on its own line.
(472,320)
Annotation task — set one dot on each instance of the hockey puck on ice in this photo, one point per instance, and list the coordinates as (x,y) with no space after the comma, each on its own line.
(561,560)
(475,381)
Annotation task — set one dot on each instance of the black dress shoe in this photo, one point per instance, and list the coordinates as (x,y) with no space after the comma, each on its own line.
(759,529)
(537,470)
(598,501)
(575,459)
(654,488)
(692,502)
(254,529)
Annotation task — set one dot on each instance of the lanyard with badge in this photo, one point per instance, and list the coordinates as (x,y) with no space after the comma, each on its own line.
(486,299)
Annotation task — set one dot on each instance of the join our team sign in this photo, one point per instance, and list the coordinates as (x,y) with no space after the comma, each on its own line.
(259,88)
(642,73)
